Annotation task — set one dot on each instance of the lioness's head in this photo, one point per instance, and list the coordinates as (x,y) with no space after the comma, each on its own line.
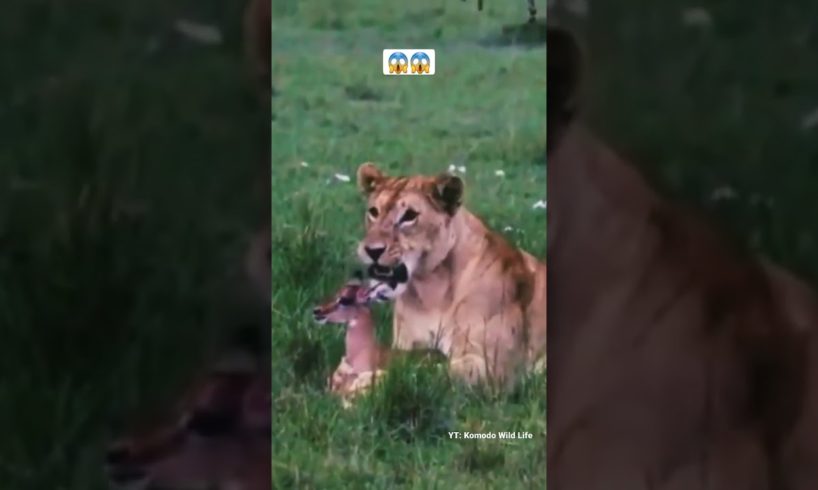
(407,223)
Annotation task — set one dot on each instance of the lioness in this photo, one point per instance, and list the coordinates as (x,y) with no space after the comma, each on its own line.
(459,286)
(675,360)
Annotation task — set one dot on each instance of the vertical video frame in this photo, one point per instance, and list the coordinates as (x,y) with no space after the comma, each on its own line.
(408,241)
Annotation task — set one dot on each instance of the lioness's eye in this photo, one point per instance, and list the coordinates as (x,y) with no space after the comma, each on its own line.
(373,212)
(409,215)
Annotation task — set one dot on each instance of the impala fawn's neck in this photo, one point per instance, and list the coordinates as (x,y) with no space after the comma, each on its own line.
(362,350)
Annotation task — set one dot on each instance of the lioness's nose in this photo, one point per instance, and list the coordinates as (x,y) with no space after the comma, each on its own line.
(374,252)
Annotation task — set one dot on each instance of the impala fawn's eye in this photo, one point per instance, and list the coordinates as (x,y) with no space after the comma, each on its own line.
(409,216)
(344,301)
(373,212)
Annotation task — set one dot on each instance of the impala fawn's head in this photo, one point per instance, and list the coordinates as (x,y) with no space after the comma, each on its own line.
(235,460)
(222,428)
(346,305)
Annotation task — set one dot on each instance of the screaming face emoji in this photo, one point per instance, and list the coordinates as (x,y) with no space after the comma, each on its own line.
(420,63)
(398,63)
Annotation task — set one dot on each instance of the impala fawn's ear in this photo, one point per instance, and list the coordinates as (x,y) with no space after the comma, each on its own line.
(448,191)
(369,178)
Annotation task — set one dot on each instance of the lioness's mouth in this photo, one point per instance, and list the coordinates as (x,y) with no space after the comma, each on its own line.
(393,275)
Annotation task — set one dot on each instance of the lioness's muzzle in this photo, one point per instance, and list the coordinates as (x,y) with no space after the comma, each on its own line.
(393,275)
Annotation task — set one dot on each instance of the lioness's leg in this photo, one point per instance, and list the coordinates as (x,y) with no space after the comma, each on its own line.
(487,350)
(470,368)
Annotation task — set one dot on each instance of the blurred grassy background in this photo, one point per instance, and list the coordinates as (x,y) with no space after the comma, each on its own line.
(717,104)
(482,112)
(127,158)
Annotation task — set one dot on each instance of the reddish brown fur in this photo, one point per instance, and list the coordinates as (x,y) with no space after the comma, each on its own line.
(363,353)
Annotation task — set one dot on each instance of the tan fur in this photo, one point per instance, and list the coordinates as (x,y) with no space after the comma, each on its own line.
(676,362)
(471,294)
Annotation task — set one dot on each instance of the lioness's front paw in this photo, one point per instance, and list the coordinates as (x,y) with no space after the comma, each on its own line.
(470,368)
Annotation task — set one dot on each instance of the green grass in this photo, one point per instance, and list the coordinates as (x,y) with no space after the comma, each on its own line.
(127,158)
(484,109)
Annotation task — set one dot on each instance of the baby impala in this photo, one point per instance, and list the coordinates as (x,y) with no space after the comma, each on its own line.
(219,438)
(364,360)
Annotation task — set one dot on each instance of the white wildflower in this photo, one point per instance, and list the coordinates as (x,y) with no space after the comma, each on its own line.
(342,177)
(810,119)
(697,17)
(759,200)
(304,164)
(723,193)
(541,204)
(499,173)
(508,228)
(201,33)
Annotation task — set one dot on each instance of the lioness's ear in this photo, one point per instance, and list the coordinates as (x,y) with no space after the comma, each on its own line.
(369,176)
(449,192)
